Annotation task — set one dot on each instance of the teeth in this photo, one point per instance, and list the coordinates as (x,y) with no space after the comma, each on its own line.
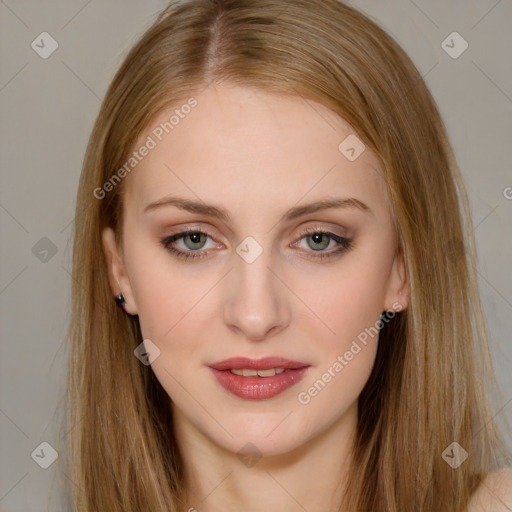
(260,373)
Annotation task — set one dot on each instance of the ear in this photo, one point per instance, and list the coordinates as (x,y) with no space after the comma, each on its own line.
(118,278)
(398,292)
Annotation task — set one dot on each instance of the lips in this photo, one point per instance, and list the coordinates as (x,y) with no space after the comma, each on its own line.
(257,364)
(258,387)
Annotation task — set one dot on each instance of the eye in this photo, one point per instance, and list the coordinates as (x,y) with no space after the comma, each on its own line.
(192,239)
(318,240)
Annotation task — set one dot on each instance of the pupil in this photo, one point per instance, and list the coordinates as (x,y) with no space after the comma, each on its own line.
(195,239)
(317,239)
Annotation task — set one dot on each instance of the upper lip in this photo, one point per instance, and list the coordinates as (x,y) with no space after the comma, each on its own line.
(257,364)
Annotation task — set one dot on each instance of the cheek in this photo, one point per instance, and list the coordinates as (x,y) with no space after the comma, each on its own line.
(349,299)
(167,305)
(166,296)
(352,311)
(336,386)
(157,304)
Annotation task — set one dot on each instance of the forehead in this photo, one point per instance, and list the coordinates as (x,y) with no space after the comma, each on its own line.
(253,149)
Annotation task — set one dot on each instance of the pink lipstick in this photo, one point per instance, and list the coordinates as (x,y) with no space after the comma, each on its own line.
(258,379)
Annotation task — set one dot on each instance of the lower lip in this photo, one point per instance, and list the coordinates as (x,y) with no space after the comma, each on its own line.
(259,388)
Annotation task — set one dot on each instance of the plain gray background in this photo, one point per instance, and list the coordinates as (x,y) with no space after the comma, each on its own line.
(48,107)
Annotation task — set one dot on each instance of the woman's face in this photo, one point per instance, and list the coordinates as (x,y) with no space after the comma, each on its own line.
(264,272)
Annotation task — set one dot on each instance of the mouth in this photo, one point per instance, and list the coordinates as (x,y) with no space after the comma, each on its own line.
(258,379)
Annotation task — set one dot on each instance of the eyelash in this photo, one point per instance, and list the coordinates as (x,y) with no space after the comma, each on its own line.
(344,243)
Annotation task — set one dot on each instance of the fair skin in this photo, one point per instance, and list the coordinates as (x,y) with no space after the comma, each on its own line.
(257,155)
(494,494)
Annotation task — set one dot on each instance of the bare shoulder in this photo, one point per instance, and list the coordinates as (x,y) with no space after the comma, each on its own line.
(494,494)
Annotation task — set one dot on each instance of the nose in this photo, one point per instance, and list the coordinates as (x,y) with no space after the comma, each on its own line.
(257,302)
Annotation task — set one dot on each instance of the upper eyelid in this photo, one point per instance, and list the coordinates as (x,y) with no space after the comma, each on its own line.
(198,228)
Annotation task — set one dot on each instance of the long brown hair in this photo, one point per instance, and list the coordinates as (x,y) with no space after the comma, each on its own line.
(433,373)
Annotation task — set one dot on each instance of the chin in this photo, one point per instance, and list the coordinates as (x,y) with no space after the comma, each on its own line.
(267,438)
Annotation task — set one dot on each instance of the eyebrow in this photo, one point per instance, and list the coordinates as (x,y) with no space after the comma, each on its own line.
(222,214)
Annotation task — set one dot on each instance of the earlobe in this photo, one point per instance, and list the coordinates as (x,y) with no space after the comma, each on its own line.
(398,294)
(118,278)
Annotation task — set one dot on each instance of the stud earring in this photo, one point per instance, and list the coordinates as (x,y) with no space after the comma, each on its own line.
(120,300)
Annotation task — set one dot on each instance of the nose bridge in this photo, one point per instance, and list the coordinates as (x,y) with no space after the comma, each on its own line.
(256,303)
